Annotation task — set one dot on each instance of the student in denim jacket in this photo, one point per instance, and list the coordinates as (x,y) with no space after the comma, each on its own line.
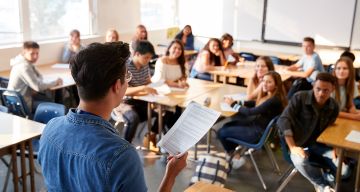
(82,151)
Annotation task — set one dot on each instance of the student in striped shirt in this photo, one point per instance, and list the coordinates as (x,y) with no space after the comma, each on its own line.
(135,111)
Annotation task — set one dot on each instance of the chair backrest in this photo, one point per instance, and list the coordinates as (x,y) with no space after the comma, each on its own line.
(263,139)
(14,101)
(248,56)
(46,111)
(4,109)
(4,82)
(275,60)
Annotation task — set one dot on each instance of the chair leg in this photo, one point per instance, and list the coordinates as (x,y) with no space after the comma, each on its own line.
(257,169)
(272,158)
(7,173)
(289,174)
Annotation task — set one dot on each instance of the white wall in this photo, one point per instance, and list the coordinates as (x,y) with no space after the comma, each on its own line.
(123,15)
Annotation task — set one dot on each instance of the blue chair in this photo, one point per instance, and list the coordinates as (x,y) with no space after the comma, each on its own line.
(248,56)
(275,60)
(43,114)
(46,111)
(4,82)
(14,101)
(251,147)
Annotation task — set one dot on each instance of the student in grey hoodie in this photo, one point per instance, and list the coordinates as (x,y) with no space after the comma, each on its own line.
(24,77)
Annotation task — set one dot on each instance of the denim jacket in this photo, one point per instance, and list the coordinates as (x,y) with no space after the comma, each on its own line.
(301,118)
(83,152)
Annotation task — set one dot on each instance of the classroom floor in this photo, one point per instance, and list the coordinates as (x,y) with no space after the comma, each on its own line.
(243,179)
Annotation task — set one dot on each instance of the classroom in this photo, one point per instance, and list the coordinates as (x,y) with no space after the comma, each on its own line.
(180,95)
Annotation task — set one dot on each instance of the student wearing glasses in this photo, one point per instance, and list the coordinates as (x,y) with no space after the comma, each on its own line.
(82,151)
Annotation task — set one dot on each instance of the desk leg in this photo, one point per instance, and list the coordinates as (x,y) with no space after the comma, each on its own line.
(215,78)
(357,181)
(14,168)
(149,123)
(339,167)
(31,166)
(161,123)
(23,165)
(225,80)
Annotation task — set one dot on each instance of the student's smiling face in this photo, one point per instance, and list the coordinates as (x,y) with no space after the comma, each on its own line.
(214,47)
(269,84)
(175,51)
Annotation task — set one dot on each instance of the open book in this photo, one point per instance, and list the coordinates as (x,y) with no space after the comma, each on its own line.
(192,125)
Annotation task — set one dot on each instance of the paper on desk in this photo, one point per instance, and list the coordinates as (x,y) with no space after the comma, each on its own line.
(353,136)
(161,87)
(192,125)
(237,97)
(151,98)
(60,66)
(230,58)
(226,107)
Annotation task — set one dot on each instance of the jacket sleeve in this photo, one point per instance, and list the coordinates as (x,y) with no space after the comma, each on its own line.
(126,173)
(263,108)
(285,121)
(35,82)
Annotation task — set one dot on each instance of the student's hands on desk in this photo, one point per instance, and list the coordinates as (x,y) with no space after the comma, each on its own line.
(150,90)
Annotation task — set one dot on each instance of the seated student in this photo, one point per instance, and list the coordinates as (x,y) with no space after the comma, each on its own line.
(210,56)
(345,89)
(262,66)
(250,123)
(171,67)
(186,36)
(227,43)
(82,151)
(26,79)
(135,111)
(308,114)
(351,56)
(72,47)
(310,64)
(140,34)
(111,35)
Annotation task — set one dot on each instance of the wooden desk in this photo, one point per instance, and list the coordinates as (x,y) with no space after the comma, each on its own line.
(206,187)
(17,133)
(196,88)
(245,71)
(280,55)
(49,73)
(335,136)
(217,96)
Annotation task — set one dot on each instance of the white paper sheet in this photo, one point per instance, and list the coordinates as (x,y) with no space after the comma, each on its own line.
(192,125)
(151,98)
(60,66)
(161,87)
(353,136)
(237,97)
(226,107)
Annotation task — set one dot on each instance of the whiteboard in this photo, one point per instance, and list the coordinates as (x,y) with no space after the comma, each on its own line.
(328,21)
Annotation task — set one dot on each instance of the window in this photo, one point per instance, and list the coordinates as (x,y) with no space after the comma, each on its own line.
(10,23)
(51,19)
(158,14)
(44,19)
